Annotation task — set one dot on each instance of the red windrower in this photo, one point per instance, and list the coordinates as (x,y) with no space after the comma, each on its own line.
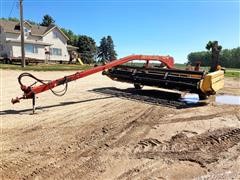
(31,91)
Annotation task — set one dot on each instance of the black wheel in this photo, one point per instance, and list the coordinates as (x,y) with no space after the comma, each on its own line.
(138,86)
(202,96)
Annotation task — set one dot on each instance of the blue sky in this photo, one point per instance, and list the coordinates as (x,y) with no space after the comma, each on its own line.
(161,27)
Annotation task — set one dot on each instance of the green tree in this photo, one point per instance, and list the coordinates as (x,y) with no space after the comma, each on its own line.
(87,49)
(13,19)
(73,38)
(106,51)
(203,56)
(112,55)
(228,58)
(235,55)
(17,20)
(103,50)
(10,19)
(47,20)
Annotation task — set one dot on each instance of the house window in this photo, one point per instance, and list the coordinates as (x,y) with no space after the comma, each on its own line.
(17,27)
(56,51)
(55,35)
(26,31)
(30,48)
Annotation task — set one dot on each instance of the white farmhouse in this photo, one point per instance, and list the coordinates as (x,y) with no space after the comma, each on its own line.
(42,43)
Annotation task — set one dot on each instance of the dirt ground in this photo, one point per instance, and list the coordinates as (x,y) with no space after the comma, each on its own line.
(95,131)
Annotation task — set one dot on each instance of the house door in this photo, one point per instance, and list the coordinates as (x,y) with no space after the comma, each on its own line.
(47,56)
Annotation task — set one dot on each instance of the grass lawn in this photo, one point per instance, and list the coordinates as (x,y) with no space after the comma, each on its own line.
(47,67)
(234,73)
(230,72)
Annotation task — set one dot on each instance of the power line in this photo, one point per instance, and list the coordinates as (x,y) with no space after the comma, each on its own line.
(10,13)
(13,4)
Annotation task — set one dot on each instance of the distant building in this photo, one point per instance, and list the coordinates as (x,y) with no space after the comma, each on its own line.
(43,43)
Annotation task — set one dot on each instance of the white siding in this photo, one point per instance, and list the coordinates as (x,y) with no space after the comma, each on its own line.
(16,50)
(60,43)
(13,49)
(4,48)
(34,38)
(39,55)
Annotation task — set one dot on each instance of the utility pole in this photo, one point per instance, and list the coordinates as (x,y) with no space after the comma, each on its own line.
(22,33)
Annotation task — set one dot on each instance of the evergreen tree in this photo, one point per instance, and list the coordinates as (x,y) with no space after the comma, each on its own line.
(103,50)
(112,55)
(87,49)
(106,50)
(47,20)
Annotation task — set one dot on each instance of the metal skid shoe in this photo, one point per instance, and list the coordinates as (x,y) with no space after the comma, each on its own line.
(17,100)
(33,103)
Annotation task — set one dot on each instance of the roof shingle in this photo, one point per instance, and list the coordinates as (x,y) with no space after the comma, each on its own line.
(10,26)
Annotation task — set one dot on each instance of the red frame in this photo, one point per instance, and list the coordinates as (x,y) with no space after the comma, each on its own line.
(30,92)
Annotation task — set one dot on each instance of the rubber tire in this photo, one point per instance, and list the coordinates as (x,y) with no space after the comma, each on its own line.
(202,96)
(138,86)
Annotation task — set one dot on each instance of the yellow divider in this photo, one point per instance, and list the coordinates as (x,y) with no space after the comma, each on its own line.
(212,82)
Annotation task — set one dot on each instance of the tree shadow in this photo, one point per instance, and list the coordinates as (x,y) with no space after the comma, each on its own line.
(156,97)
